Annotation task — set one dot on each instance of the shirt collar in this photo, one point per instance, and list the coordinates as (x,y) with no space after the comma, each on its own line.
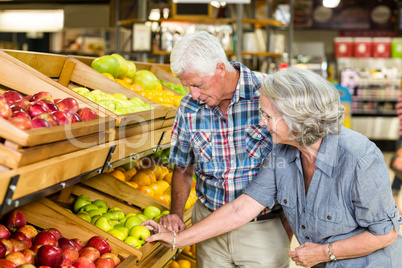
(327,157)
(247,81)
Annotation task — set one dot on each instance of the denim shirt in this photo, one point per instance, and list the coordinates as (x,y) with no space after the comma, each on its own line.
(349,193)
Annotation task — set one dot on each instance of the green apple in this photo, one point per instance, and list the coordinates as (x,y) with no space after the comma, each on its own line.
(107,104)
(133,241)
(147,106)
(114,208)
(132,221)
(165,212)
(118,104)
(140,232)
(94,212)
(116,233)
(120,96)
(142,217)
(109,96)
(81,201)
(126,103)
(114,222)
(151,212)
(116,214)
(104,224)
(89,96)
(95,218)
(134,109)
(101,204)
(137,101)
(108,215)
(84,215)
(122,229)
(157,218)
(118,225)
(88,207)
(122,221)
(131,69)
(81,90)
(98,97)
(121,110)
(131,214)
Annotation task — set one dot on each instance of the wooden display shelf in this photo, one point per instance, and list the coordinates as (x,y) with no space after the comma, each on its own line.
(71,73)
(21,147)
(67,197)
(44,214)
(52,172)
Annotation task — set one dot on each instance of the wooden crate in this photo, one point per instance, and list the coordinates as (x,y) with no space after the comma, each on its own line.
(70,73)
(19,147)
(44,214)
(53,171)
(67,197)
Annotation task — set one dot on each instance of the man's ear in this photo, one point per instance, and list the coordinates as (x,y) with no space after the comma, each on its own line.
(221,68)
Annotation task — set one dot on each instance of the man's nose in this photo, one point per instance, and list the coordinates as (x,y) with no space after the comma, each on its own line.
(195,93)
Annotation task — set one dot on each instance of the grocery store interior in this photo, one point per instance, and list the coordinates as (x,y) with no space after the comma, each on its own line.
(118,146)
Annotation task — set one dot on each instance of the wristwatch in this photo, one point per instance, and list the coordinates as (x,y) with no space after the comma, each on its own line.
(331,253)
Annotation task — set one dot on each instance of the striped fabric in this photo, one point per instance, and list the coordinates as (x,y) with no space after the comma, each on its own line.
(227,149)
(399,112)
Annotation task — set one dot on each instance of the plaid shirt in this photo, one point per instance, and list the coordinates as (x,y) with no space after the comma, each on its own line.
(226,149)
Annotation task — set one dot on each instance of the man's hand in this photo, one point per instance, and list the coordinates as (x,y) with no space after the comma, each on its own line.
(309,254)
(172,222)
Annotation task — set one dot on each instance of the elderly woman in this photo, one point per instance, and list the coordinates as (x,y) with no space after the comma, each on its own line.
(332,182)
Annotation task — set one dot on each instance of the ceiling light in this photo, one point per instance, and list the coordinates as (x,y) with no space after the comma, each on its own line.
(330,3)
(31,20)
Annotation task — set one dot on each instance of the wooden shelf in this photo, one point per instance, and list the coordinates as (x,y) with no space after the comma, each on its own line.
(267,22)
(192,20)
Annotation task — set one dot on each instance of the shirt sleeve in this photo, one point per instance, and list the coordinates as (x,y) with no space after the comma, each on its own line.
(263,187)
(371,195)
(181,152)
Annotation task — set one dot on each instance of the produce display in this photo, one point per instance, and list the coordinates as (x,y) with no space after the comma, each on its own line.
(143,82)
(126,227)
(23,246)
(153,176)
(117,103)
(41,110)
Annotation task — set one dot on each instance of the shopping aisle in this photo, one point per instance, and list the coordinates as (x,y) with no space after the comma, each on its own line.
(387,157)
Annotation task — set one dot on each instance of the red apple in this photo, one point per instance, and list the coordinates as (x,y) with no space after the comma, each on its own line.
(100,244)
(66,261)
(113,257)
(39,123)
(16,108)
(54,232)
(63,117)
(19,245)
(12,96)
(14,220)
(35,109)
(29,256)
(5,110)
(26,265)
(104,263)
(78,243)
(42,95)
(21,114)
(27,97)
(3,250)
(35,248)
(87,114)
(70,251)
(44,266)
(49,255)
(21,123)
(28,230)
(22,103)
(90,253)
(66,266)
(9,245)
(16,257)
(51,107)
(66,241)
(69,105)
(83,262)
(75,118)
(45,238)
(4,232)
(22,237)
(6,264)
(51,119)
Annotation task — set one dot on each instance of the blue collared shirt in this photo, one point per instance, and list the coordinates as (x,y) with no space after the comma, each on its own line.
(349,193)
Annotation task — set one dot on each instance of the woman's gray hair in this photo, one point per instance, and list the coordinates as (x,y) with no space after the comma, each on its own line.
(198,53)
(309,104)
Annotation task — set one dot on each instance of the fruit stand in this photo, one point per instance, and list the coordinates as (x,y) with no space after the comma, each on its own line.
(44,170)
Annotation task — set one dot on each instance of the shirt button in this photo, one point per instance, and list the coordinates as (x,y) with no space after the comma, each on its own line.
(303,227)
(304,209)
(329,217)
(230,138)
(285,201)
(307,237)
(259,135)
(233,161)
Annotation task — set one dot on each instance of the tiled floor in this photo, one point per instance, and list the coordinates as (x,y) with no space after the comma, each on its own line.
(387,157)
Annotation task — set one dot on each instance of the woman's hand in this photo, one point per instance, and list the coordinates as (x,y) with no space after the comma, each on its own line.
(309,254)
(159,233)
